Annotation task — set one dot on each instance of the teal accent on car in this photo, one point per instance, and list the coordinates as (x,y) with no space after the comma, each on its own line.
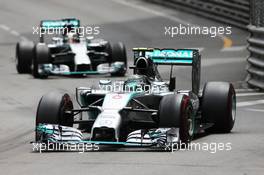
(80,73)
(49,24)
(170,53)
(171,56)
(172,61)
(42,128)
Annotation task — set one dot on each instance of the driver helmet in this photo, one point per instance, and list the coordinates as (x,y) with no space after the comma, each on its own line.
(136,82)
(72,37)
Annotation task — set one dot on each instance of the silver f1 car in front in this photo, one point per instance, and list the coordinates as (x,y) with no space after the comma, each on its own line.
(145,111)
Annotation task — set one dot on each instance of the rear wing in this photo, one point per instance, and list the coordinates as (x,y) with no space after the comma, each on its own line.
(168,56)
(182,57)
(58,25)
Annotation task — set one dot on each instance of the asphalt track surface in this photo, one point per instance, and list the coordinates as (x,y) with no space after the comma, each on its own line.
(136,24)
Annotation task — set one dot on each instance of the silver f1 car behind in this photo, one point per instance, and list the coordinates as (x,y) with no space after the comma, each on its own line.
(69,54)
(146,111)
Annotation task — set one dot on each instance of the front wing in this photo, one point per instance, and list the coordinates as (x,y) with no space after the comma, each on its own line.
(50,69)
(160,137)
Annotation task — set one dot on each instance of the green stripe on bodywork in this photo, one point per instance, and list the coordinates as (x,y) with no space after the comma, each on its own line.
(171,56)
(42,128)
(49,24)
(172,61)
(80,73)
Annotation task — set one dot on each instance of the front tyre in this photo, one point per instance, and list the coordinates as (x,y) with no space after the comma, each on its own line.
(53,108)
(219,106)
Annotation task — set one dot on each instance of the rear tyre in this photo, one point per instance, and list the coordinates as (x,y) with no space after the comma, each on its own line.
(24,56)
(176,111)
(52,109)
(118,54)
(41,57)
(219,106)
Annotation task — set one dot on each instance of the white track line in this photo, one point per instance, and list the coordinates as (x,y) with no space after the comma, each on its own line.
(250,103)
(24,38)
(15,33)
(12,32)
(4,27)
(234,49)
(249,94)
(219,61)
(245,90)
(255,110)
(198,48)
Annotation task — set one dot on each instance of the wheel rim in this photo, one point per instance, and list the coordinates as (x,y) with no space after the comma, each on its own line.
(190,124)
(233,107)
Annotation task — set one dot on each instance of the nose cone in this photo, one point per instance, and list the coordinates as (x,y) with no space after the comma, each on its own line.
(106,126)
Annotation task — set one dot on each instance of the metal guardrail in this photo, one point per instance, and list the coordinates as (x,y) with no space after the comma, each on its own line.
(257,13)
(256,59)
(235,12)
